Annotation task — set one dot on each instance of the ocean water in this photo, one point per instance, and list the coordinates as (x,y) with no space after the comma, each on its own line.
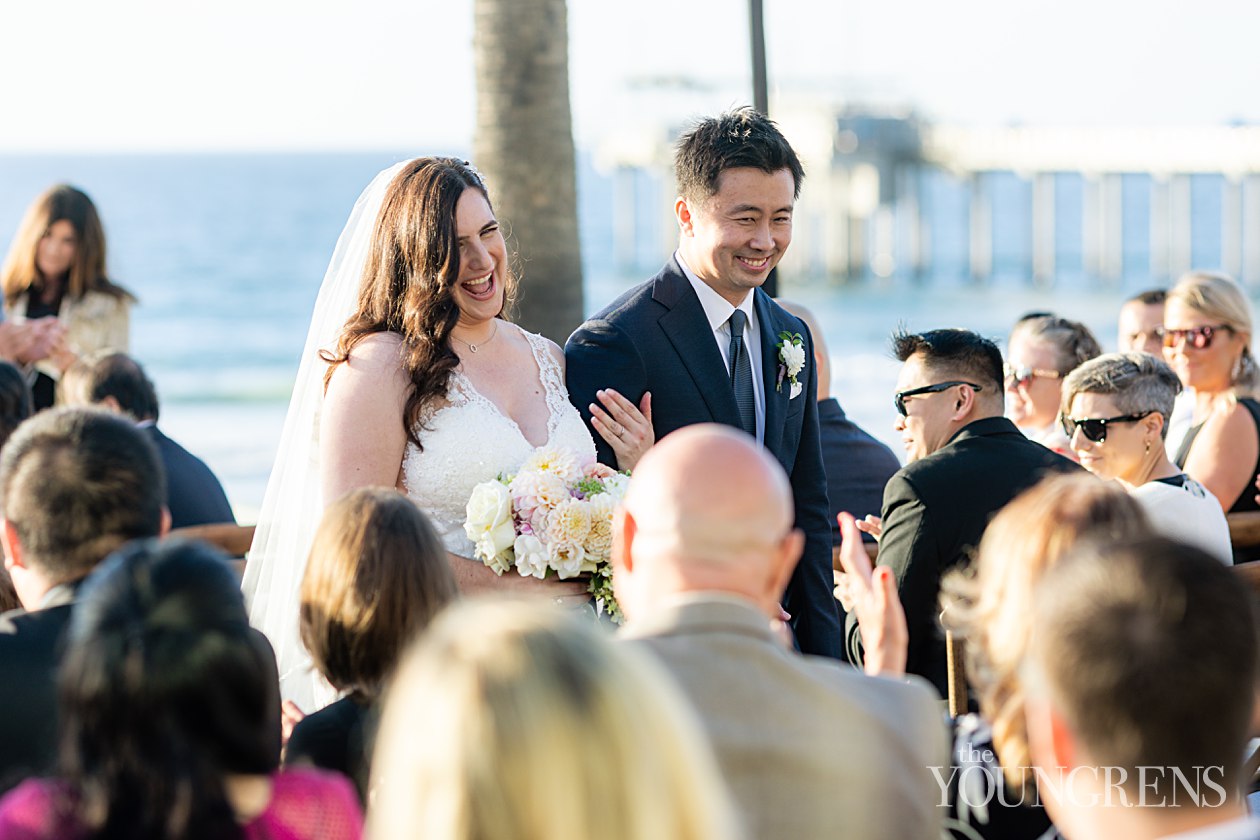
(226,254)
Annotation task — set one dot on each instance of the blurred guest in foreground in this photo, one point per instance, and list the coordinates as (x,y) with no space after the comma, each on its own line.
(170,717)
(858,466)
(1041,350)
(513,722)
(376,576)
(809,747)
(75,484)
(988,606)
(1140,691)
(1207,341)
(15,406)
(966,462)
(115,381)
(56,267)
(1114,409)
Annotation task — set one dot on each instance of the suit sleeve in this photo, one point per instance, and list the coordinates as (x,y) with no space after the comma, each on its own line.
(910,550)
(600,355)
(809,598)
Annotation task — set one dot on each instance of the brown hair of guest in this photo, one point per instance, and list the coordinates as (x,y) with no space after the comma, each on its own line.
(20,274)
(412,267)
(989,603)
(377,574)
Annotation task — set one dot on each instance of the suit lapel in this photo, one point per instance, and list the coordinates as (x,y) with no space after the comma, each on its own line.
(687,328)
(776,397)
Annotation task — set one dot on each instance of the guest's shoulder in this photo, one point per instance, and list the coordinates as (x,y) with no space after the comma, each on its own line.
(38,808)
(308,787)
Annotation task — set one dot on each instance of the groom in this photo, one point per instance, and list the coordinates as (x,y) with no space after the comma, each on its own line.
(711,346)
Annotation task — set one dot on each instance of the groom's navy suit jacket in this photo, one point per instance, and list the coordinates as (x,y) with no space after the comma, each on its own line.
(656,338)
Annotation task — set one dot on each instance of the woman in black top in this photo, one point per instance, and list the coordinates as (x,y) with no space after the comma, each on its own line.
(377,574)
(1207,341)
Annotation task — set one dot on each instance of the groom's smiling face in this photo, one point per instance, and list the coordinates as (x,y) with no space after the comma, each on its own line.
(733,238)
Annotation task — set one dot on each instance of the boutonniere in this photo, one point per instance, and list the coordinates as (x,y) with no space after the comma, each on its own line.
(791,362)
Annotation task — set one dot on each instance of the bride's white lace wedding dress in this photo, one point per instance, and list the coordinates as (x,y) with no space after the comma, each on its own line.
(468,440)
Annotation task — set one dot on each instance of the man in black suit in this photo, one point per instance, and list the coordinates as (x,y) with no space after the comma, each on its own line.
(966,462)
(711,346)
(75,484)
(116,381)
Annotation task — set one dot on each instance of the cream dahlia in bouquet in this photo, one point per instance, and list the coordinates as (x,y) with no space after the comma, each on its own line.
(554,516)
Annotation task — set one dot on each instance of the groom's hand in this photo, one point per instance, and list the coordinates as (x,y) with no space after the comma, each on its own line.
(627,429)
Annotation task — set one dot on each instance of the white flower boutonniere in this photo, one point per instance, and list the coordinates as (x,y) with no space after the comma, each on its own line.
(791,362)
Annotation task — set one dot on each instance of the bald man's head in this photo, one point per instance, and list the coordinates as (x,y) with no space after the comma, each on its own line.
(707,509)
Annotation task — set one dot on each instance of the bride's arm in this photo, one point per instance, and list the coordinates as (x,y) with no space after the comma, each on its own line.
(475,578)
(361,434)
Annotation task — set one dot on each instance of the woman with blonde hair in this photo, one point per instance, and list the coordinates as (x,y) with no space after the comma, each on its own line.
(56,267)
(376,576)
(513,722)
(1207,341)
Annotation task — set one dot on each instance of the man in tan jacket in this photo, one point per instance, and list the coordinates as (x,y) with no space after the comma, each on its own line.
(809,748)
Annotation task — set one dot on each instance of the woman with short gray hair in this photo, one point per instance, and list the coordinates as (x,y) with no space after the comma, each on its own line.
(1115,411)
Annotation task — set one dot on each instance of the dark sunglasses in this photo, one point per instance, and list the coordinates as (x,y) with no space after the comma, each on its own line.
(899,398)
(1200,338)
(1095,428)
(1023,377)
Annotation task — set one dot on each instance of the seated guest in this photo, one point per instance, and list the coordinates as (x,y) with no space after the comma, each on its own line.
(988,606)
(1114,409)
(966,462)
(15,406)
(171,716)
(376,575)
(1207,341)
(115,381)
(75,484)
(809,747)
(1140,326)
(1140,691)
(858,466)
(509,721)
(1041,350)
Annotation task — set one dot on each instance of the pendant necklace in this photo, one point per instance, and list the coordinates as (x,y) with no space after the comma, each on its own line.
(474,347)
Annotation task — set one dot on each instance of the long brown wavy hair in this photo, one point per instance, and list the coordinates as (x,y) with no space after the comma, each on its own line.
(412,267)
(87,274)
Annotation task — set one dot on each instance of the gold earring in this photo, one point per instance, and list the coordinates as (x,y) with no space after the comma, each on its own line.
(1148,447)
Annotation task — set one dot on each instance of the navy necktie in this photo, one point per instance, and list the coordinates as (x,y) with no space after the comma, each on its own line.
(741,374)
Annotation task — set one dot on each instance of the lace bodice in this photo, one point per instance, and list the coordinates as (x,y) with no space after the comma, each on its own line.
(468,440)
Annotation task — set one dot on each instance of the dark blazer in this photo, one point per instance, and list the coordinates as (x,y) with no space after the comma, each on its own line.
(337,737)
(656,338)
(858,466)
(935,511)
(30,651)
(194,495)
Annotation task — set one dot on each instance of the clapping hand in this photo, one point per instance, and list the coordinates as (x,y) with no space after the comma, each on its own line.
(626,428)
(872,525)
(872,597)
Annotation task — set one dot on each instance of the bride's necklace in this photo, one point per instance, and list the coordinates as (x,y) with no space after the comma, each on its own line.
(474,347)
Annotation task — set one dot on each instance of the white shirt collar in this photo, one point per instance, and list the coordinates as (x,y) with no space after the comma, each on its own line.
(717,309)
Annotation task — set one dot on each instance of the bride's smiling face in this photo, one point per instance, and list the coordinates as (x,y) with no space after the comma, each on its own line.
(482,259)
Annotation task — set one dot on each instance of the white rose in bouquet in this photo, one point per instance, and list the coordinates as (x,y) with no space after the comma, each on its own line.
(567,559)
(615,486)
(531,556)
(489,523)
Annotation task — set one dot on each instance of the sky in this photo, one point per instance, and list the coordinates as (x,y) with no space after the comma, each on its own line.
(157,75)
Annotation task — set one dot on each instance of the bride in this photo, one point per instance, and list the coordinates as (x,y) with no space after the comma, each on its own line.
(412,378)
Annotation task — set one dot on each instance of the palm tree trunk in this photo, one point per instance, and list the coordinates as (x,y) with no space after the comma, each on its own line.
(524,146)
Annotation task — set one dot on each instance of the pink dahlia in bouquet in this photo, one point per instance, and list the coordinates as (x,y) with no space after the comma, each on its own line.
(554,516)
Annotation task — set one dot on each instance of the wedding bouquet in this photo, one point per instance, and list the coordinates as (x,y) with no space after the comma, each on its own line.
(553,516)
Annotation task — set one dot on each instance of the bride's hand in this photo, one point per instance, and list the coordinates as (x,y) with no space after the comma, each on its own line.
(627,429)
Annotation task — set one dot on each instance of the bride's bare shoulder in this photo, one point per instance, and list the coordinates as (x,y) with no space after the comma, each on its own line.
(376,356)
(550,346)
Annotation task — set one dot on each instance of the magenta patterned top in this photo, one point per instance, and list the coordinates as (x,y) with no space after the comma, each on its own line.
(305,805)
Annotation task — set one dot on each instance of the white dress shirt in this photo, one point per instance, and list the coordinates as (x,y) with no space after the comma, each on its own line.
(719,310)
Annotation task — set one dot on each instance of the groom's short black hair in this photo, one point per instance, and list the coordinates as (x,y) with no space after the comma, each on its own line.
(740,138)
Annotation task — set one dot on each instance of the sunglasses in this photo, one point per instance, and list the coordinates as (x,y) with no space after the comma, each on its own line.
(1095,428)
(899,398)
(1200,338)
(1023,376)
